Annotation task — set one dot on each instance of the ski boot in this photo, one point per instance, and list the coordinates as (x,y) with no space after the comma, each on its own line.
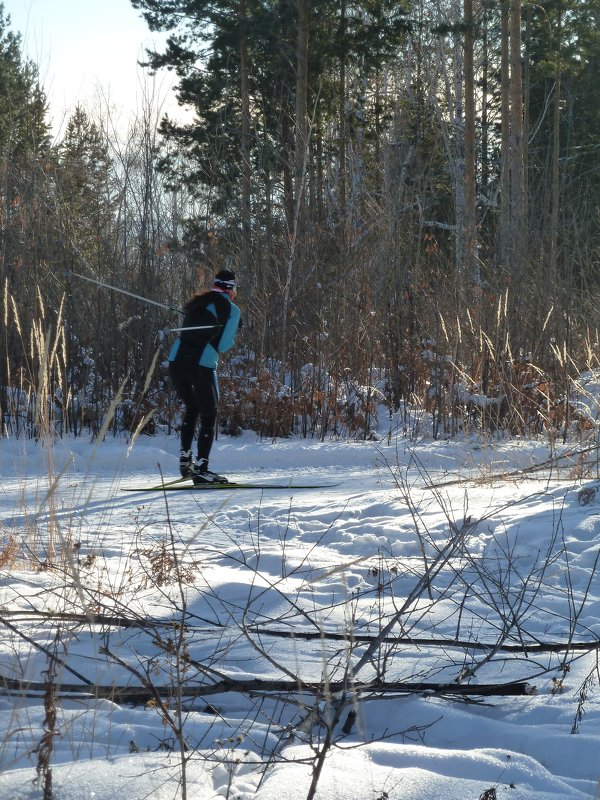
(202,474)
(186,464)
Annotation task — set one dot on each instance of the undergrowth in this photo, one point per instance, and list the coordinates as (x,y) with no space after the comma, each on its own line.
(466,378)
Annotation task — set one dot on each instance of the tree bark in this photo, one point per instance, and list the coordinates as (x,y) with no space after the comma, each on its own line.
(342,121)
(470,199)
(555,197)
(301,160)
(518,222)
(504,233)
(301,137)
(245,139)
(141,694)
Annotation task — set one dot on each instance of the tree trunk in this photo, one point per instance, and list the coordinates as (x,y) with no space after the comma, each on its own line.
(301,160)
(470,198)
(504,233)
(342,121)
(245,140)
(485,166)
(287,150)
(456,154)
(518,222)
(301,137)
(555,198)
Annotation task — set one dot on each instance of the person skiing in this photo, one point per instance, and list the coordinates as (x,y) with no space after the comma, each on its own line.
(210,325)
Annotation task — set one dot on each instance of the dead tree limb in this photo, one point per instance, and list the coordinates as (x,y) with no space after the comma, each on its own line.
(143,694)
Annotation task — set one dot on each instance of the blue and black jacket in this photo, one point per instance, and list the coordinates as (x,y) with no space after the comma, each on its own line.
(202,346)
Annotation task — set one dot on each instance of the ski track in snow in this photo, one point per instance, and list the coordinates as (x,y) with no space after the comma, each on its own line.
(330,560)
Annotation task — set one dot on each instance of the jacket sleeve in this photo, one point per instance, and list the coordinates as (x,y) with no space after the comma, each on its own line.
(231,328)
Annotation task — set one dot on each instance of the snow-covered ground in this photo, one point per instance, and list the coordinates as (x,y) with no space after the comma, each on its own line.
(427,563)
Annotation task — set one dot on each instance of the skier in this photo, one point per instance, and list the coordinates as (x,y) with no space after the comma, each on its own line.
(210,325)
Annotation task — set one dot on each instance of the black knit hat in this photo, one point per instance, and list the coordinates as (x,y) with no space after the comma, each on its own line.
(225,279)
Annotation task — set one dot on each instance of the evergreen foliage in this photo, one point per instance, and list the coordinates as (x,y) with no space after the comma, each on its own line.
(24,149)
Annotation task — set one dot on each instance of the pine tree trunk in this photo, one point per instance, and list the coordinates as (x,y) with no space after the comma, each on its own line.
(342,121)
(518,223)
(301,138)
(470,199)
(504,233)
(555,159)
(301,160)
(245,140)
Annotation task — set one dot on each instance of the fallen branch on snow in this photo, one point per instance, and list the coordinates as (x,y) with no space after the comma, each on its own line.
(142,694)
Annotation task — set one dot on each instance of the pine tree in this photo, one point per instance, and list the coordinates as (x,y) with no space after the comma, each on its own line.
(25,222)
(84,190)
(563,42)
(24,140)
(263,33)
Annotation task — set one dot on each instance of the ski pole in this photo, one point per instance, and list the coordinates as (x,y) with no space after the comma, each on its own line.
(194,328)
(124,291)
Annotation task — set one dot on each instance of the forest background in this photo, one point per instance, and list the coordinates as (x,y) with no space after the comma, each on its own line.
(408,191)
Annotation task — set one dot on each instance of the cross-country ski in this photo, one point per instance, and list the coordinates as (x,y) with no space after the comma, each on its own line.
(230,485)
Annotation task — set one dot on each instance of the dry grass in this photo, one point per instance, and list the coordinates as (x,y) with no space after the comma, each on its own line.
(468,375)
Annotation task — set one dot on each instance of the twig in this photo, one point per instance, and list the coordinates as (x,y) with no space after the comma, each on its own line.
(514,473)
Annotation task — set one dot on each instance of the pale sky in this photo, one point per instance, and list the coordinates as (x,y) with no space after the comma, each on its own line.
(87,53)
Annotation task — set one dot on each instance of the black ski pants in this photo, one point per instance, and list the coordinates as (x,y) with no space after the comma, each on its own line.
(197,387)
